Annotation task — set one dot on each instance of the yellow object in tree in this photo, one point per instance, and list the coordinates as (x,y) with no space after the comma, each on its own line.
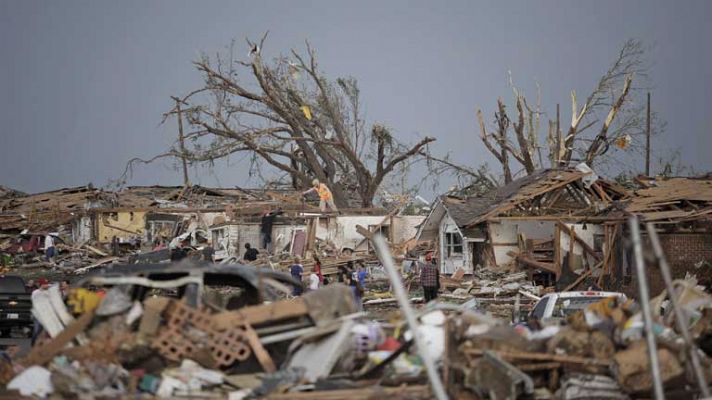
(623,142)
(307,112)
(81,300)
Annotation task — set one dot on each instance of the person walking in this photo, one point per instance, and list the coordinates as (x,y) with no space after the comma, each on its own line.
(50,250)
(361,276)
(429,279)
(296,270)
(326,198)
(317,269)
(356,290)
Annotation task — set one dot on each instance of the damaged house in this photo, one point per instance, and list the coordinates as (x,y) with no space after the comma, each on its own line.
(681,210)
(133,218)
(549,222)
(295,232)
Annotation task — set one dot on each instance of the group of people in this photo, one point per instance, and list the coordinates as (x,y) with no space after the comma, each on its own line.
(33,287)
(326,200)
(355,279)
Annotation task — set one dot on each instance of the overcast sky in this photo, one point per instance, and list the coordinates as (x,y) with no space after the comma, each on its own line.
(83,84)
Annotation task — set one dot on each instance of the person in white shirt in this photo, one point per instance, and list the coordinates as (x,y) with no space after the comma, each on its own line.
(313,282)
(50,250)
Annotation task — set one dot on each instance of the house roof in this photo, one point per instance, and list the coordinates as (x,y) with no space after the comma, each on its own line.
(672,199)
(8,193)
(554,192)
(461,210)
(46,210)
(464,210)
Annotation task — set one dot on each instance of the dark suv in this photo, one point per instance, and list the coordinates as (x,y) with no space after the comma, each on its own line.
(15,306)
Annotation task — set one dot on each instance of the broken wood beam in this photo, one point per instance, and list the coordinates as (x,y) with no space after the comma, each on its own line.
(364,232)
(524,355)
(551,267)
(43,354)
(572,234)
(95,250)
(255,315)
(259,351)
(365,393)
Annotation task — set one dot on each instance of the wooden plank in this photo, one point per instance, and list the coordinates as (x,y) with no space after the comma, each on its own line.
(255,315)
(523,355)
(534,263)
(364,232)
(99,263)
(43,354)
(368,392)
(557,250)
(538,366)
(95,250)
(608,256)
(568,218)
(260,353)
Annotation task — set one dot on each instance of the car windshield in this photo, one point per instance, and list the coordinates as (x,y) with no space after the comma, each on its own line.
(566,306)
(12,285)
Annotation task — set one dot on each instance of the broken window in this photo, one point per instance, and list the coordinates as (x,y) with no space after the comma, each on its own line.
(453,244)
(162,229)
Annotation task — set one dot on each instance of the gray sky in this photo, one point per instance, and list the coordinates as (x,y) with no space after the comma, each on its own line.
(83,84)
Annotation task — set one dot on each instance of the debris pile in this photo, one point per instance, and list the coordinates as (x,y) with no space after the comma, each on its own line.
(136,339)
(599,353)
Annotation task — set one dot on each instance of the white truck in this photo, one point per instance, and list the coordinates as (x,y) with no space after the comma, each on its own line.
(553,308)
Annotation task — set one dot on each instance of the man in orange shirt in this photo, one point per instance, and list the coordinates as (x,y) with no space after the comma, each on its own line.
(325,196)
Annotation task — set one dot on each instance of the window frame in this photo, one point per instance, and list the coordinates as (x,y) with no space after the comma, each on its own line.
(453,241)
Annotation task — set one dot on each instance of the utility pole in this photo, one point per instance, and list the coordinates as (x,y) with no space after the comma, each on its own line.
(181,140)
(647,141)
(558,137)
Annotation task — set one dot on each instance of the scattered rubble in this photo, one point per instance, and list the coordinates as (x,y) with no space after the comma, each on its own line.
(162,303)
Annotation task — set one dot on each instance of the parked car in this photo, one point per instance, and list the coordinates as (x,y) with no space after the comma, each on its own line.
(553,308)
(191,280)
(15,306)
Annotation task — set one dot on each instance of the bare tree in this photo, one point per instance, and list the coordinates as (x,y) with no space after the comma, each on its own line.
(288,116)
(613,95)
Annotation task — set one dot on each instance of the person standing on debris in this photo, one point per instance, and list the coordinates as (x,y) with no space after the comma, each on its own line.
(297,269)
(266,228)
(325,196)
(361,276)
(356,290)
(429,279)
(313,281)
(50,250)
(115,246)
(345,271)
(250,253)
(317,269)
